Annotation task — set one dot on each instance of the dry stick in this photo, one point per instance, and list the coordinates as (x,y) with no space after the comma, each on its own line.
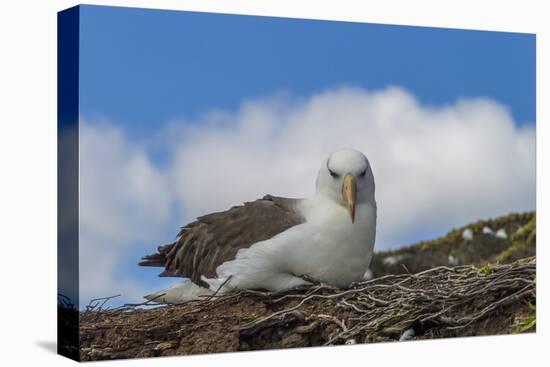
(340,323)
(311,290)
(146,303)
(220,287)
(524,291)
(65,301)
(91,306)
(350,333)
(264,319)
(103,298)
(105,301)
(406,269)
(353,306)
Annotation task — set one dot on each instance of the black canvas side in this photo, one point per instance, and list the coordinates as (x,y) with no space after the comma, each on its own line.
(67,182)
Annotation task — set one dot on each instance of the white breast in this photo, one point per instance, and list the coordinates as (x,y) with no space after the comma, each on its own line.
(332,248)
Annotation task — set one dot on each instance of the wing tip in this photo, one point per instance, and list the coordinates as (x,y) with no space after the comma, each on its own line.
(152,260)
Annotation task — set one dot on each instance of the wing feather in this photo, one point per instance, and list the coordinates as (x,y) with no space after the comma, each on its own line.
(203,245)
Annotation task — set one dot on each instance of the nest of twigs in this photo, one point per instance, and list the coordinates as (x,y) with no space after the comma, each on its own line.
(439,302)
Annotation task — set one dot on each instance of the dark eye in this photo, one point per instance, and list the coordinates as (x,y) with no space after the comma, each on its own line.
(334,174)
(362,174)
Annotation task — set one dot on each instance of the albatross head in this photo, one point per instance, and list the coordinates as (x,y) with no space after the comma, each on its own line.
(346,178)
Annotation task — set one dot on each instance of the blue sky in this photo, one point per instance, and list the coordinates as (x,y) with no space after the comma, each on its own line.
(142,70)
(141,67)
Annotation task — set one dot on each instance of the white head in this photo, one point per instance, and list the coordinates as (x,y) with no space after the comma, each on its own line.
(346,178)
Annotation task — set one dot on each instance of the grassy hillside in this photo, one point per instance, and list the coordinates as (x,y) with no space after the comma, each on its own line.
(453,249)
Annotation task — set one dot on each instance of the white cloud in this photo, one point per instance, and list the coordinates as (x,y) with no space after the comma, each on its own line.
(434,167)
(123,199)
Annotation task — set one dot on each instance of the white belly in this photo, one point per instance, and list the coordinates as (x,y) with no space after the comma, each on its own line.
(335,250)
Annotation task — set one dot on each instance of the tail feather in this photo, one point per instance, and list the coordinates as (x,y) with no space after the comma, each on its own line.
(179,293)
(153,260)
(157,259)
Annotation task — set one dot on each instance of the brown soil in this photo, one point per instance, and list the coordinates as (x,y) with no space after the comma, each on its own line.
(442,302)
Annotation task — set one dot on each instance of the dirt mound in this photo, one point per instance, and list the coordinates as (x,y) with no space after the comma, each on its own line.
(440,302)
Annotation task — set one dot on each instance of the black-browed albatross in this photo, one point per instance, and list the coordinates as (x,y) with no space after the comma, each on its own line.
(277,243)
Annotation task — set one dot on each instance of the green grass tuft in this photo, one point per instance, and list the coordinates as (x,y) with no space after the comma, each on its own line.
(528,322)
(486,270)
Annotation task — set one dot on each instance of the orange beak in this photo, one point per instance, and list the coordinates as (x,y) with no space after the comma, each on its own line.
(349,190)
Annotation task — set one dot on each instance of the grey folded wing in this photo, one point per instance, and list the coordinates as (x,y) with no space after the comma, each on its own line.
(211,240)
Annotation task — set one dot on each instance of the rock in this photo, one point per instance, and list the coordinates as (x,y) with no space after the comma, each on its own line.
(501,233)
(164,346)
(408,334)
(392,260)
(368,275)
(453,261)
(467,234)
